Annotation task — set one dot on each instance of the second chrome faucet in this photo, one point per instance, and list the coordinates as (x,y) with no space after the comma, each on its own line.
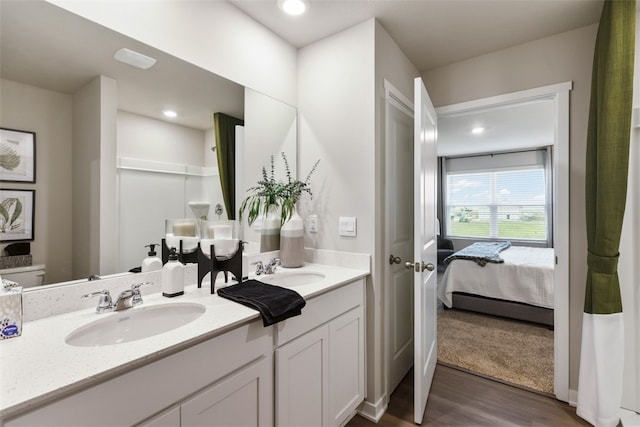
(269,268)
(126,299)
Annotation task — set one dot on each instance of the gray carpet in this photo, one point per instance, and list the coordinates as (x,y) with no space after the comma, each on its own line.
(508,350)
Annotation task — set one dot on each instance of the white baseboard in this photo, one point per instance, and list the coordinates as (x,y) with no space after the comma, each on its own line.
(573,398)
(629,418)
(373,411)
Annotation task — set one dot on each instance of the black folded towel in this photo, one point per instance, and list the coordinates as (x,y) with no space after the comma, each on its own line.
(273,302)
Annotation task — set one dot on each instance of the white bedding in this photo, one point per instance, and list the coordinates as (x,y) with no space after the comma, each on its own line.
(525,276)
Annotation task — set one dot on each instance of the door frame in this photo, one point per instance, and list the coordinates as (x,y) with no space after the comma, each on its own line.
(559,93)
(401,102)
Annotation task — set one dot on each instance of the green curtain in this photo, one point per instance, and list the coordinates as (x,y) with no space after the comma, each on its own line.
(608,153)
(607,164)
(225,129)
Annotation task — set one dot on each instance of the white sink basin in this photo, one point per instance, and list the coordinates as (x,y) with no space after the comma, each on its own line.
(291,279)
(134,324)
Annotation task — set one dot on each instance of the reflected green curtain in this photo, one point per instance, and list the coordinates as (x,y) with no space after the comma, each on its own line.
(607,166)
(225,129)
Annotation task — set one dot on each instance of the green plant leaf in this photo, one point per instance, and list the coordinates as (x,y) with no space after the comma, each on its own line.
(17,212)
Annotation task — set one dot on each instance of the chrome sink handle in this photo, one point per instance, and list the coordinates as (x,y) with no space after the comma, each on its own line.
(136,299)
(259,267)
(105,303)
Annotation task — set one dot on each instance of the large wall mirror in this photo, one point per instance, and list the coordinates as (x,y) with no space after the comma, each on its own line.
(48,55)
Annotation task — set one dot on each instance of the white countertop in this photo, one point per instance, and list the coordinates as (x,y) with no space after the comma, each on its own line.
(39,366)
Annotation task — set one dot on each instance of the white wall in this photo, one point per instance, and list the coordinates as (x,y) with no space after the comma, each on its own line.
(94,178)
(48,114)
(341,122)
(563,57)
(337,125)
(211,34)
(336,113)
(145,138)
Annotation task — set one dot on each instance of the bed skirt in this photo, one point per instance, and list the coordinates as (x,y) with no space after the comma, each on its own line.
(503,308)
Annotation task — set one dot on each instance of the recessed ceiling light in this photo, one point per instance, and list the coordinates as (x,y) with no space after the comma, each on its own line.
(133,58)
(170,113)
(477,130)
(293,7)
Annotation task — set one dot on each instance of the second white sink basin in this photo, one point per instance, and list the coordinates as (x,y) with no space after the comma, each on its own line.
(134,324)
(292,279)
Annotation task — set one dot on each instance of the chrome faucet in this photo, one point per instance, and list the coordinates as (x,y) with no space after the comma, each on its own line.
(270,268)
(126,299)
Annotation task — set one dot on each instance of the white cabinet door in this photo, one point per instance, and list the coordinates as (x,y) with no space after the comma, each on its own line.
(302,378)
(169,418)
(243,399)
(346,364)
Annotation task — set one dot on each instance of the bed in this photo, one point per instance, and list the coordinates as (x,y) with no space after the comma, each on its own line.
(520,288)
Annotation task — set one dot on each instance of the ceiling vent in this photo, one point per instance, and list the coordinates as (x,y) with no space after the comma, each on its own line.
(134,58)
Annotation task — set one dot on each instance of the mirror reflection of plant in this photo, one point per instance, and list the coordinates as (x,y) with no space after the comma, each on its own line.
(266,193)
(270,192)
(10,212)
(293,190)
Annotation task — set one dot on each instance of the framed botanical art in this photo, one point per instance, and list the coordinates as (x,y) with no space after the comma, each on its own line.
(17,212)
(17,155)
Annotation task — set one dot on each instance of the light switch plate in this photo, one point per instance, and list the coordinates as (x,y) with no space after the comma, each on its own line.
(312,223)
(347,226)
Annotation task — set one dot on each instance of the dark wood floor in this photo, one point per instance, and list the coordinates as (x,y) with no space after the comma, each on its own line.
(459,398)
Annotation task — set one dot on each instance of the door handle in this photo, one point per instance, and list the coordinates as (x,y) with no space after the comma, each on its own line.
(394,259)
(419,267)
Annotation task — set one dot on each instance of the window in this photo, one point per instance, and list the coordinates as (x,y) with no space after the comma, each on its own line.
(503,196)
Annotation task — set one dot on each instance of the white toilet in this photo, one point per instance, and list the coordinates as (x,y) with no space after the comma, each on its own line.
(26,277)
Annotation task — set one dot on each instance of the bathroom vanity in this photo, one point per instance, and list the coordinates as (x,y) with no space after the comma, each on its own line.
(223,368)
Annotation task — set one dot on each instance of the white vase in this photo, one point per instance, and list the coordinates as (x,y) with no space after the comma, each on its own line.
(292,242)
(270,233)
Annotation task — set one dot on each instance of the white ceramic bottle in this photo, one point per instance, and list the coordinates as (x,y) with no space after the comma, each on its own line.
(172,276)
(152,262)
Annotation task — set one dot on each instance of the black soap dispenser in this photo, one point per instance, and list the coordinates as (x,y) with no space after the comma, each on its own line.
(152,262)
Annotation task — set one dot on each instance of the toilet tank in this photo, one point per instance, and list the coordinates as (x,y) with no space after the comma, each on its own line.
(27,277)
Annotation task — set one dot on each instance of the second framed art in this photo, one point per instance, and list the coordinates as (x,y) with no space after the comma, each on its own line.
(17,155)
(17,213)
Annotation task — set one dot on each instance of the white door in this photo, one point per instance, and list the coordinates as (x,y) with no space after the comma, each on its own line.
(425,248)
(398,235)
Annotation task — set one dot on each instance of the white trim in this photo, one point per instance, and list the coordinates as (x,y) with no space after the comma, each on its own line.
(395,97)
(560,94)
(508,98)
(373,411)
(561,244)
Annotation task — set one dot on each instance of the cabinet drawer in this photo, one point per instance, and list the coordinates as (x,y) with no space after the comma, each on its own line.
(320,310)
